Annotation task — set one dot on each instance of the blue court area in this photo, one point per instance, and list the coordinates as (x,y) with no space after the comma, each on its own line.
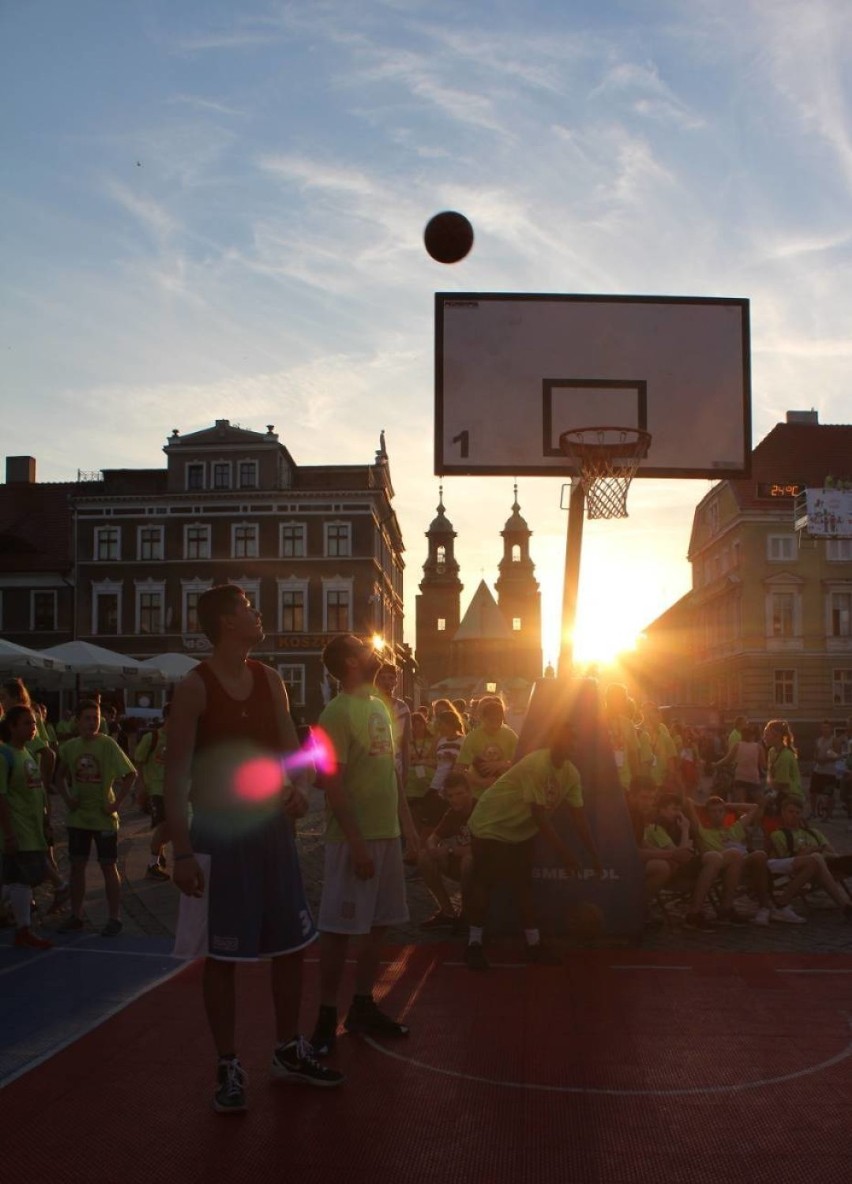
(50,998)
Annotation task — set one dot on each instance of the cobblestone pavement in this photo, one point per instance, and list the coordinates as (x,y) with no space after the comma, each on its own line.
(150,907)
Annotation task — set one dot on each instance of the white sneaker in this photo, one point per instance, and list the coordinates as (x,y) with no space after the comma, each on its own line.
(761,917)
(789,915)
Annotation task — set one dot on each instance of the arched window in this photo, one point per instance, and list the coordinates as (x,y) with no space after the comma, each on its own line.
(516,553)
(441,556)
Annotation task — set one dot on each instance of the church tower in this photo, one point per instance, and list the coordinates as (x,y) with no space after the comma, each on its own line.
(438,607)
(518,595)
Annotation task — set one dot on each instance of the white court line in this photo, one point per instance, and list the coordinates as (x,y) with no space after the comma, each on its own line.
(499,965)
(113,952)
(735,1087)
(812,970)
(645,966)
(40,957)
(80,1033)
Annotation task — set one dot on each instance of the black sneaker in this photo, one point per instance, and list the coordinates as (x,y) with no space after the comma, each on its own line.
(230,1095)
(475,956)
(155,872)
(699,922)
(296,1062)
(440,921)
(366,1019)
(324,1036)
(112,928)
(542,954)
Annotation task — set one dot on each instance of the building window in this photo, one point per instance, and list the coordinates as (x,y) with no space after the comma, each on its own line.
(441,558)
(337,605)
(785,688)
(196,542)
(43,611)
(150,543)
(191,590)
(843,688)
(782,614)
(195,476)
(293,678)
(338,541)
(247,474)
(106,608)
(516,553)
(293,540)
(150,608)
(838,550)
(244,541)
(442,624)
(221,474)
(841,614)
(780,548)
(292,610)
(516,624)
(107,543)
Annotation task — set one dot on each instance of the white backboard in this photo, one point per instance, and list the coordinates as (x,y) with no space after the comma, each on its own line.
(513,371)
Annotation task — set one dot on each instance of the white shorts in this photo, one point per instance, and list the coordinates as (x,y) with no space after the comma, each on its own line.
(780,867)
(354,906)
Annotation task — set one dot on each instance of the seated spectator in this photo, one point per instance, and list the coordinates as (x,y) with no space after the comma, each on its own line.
(426,804)
(731,842)
(489,750)
(642,805)
(797,848)
(669,833)
(449,736)
(447,853)
(503,826)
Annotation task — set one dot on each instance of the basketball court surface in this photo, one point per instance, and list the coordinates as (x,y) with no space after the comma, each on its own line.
(620,1066)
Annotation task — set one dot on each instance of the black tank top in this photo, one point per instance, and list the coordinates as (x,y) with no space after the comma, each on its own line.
(230,729)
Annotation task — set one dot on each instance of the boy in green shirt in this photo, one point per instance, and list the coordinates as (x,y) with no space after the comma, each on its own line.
(89,765)
(487,751)
(503,826)
(23,807)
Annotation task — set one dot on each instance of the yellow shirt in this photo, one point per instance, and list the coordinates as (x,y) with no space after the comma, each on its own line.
(504,811)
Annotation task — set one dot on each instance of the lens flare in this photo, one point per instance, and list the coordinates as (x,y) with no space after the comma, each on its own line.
(258,779)
(321,752)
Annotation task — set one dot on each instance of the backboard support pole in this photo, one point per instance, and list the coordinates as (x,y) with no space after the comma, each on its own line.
(571,584)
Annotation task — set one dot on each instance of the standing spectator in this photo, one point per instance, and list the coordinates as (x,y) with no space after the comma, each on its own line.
(89,768)
(824,775)
(489,750)
(622,734)
(363,890)
(749,765)
(400,714)
(150,757)
(426,804)
(449,737)
(782,760)
(664,766)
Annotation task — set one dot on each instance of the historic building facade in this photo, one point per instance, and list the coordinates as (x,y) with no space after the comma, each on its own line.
(498,641)
(767,628)
(317,549)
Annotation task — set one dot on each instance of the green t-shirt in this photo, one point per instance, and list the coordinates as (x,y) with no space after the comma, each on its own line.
(422,767)
(360,731)
(784,772)
(734,737)
(92,766)
(664,750)
(21,786)
(723,838)
(152,764)
(503,812)
(802,842)
(625,747)
(657,836)
(488,746)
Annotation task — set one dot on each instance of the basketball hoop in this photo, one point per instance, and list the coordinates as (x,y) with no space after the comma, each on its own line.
(607,460)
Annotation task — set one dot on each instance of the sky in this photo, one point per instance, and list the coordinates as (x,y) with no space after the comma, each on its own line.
(215,210)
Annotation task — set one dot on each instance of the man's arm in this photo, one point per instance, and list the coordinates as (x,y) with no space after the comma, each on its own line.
(541,817)
(339,802)
(187,705)
(581,825)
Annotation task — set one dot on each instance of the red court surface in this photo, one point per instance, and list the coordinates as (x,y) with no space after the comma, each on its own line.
(618,1067)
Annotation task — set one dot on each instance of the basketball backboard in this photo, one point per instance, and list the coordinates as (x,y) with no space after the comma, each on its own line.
(514,371)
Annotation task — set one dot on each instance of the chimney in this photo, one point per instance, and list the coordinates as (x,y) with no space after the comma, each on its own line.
(20,470)
(803,416)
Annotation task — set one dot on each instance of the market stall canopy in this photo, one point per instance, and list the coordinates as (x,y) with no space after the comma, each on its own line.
(17,659)
(85,659)
(173,665)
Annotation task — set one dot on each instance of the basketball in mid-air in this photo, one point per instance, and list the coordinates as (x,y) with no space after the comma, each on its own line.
(448,236)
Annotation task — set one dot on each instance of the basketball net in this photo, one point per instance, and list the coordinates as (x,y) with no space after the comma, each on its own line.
(607,460)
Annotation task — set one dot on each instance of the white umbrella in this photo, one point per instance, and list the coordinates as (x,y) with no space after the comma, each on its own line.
(81,657)
(172,665)
(17,659)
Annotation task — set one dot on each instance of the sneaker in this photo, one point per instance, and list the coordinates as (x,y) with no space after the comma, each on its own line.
(475,956)
(71,924)
(541,954)
(295,1061)
(230,1095)
(366,1019)
(788,915)
(155,872)
(324,1036)
(761,917)
(112,928)
(25,938)
(731,917)
(699,922)
(440,920)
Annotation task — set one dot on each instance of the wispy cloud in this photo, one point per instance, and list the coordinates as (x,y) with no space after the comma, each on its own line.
(200,103)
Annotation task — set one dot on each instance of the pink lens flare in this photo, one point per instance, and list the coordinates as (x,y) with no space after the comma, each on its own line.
(321,752)
(259,778)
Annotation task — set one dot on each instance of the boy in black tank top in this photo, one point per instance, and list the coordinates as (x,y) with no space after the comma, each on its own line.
(229,729)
